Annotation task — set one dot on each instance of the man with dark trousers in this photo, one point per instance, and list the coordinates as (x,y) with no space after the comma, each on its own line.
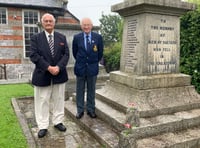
(50,54)
(87,50)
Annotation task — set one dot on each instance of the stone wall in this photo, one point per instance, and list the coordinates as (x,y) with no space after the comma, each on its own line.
(12,39)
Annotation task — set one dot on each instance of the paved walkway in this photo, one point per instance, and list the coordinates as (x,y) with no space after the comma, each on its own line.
(74,137)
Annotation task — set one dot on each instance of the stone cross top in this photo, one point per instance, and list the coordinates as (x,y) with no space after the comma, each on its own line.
(151,42)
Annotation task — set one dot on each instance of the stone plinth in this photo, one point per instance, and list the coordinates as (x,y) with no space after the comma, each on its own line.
(150,82)
(149,66)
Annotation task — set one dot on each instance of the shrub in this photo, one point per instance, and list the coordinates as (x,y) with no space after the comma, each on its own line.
(190,46)
(112,57)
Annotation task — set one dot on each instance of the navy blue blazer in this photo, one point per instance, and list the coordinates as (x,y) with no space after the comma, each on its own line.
(87,61)
(41,56)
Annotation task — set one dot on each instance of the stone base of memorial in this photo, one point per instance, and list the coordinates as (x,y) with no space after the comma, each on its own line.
(149,73)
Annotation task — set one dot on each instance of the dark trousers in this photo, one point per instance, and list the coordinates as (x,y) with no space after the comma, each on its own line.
(81,82)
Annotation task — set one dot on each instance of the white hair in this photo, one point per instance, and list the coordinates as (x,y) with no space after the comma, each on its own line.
(48,14)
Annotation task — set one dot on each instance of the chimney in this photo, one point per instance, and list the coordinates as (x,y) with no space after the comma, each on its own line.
(65,2)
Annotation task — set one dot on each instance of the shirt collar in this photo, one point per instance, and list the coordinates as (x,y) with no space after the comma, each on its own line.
(89,34)
(47,34)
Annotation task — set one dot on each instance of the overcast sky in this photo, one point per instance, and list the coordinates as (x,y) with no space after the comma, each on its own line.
(91,8)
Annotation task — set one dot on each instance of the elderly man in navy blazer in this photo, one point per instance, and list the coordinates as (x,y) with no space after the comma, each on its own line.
(87,49)
(50,54)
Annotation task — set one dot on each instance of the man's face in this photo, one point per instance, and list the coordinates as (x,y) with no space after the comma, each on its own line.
(86,26)
(48,23)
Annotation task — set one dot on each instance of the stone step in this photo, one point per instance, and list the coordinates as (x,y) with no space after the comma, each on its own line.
(189,138)
(162,121)
(182,116)
(167,123)
(101,131)
(149,102)
(107,113)
(113,103)
(152,125)
(110,115)
(169,110)
(122,107)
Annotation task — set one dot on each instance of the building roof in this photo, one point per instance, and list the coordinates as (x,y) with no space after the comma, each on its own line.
(44,3)
(56,7)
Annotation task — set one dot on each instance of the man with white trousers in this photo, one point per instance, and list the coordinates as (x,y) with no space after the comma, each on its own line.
(50,54)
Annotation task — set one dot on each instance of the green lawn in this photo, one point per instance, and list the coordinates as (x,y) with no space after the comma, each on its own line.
(11,134)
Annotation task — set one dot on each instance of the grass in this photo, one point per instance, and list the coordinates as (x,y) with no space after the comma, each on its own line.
(11,134)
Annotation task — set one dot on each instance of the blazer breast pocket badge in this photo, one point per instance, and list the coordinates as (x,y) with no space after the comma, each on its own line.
(95,48)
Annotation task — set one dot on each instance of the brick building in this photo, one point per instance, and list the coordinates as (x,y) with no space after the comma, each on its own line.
(19,19)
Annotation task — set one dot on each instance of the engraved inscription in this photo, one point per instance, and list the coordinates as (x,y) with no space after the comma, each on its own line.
(131,43)
(162,48)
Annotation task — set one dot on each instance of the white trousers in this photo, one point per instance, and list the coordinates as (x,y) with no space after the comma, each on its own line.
(42,97)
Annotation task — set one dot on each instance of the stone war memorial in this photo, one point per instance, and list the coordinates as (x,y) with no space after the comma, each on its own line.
(166,105)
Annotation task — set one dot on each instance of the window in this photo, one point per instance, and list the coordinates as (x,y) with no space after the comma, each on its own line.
(29,31)
(3,17)
(31,19)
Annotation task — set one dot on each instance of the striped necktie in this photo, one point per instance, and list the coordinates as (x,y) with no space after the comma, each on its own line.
(51,45)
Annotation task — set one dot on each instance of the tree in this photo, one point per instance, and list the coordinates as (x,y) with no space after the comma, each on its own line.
(109,28)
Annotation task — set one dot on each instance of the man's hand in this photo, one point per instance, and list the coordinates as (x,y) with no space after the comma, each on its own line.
(54,70)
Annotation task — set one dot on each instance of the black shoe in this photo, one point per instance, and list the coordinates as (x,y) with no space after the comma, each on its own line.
(42,133)
(60,127)
(79,115)
(92,114)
